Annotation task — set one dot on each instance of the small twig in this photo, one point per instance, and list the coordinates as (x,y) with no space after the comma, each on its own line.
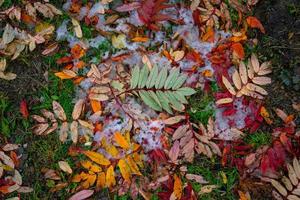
(119,103)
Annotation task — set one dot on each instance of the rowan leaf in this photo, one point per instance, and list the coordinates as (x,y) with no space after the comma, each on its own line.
(121,141)
(97,158)
(110,177)
(124,169)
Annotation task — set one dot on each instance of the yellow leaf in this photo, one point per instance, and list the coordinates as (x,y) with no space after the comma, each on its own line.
(90,166)
(133,166)
(110,177)
(90,179)
(124,169)
(177,190)
(100,180)
(127,136)
(119,41)
(224,177)
(121,141)
(86,164)
(97,158)
(77,28)
(112,150)
(177,55)
(138,159)
(265,114)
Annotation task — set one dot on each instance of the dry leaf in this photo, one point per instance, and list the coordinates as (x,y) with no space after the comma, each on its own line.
(64,166)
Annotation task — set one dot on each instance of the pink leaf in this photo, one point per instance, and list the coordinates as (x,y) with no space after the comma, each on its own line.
(83,194)
(174,151)
(128,7)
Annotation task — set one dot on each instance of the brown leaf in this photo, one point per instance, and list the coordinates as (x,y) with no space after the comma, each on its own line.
(197,178)
(74,131)
(59,111)
(78,108)
(228,85)
(243,73)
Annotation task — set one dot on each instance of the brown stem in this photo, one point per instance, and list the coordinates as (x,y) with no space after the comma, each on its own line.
(119,103)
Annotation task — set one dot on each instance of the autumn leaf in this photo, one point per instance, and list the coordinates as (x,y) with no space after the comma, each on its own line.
(97,158)
(64,166)
(77,51)
(81,195)
(124,169)
(238,49)
(177,189)
(24,109)
(253,22)
(110,177)
(96,106)
(121,141)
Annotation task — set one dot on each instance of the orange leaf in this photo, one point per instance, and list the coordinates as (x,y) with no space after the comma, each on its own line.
(120,57)
(68,66)
(238,49)
(253,22)
(27,19)
(121,141)
(77,51)
(96,105)
(100,180)
(289,119)
(15,158)
(80,64)
(177,187)
(207,73)
(78,80)
(140,39)
(265,114)
(62,75)
(209,36)
(65,59)
(4,189)
(98,127)
(110,177)
(167,55)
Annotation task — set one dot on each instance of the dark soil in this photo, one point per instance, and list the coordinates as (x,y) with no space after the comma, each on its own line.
(31,77)
(281,45)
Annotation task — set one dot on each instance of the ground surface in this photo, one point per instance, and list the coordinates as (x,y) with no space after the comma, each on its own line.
(281,44)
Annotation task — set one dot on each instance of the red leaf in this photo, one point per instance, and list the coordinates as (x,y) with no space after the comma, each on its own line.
(24,109)
(149,13)
(253,22)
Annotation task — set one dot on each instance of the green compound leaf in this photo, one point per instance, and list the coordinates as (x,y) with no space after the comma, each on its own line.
(161,89)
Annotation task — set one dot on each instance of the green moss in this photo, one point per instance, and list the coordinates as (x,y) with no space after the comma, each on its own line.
(212,173)
(59,90)
(258,139)
(201,107)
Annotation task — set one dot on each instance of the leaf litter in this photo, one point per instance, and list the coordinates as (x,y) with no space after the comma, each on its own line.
(131,102)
